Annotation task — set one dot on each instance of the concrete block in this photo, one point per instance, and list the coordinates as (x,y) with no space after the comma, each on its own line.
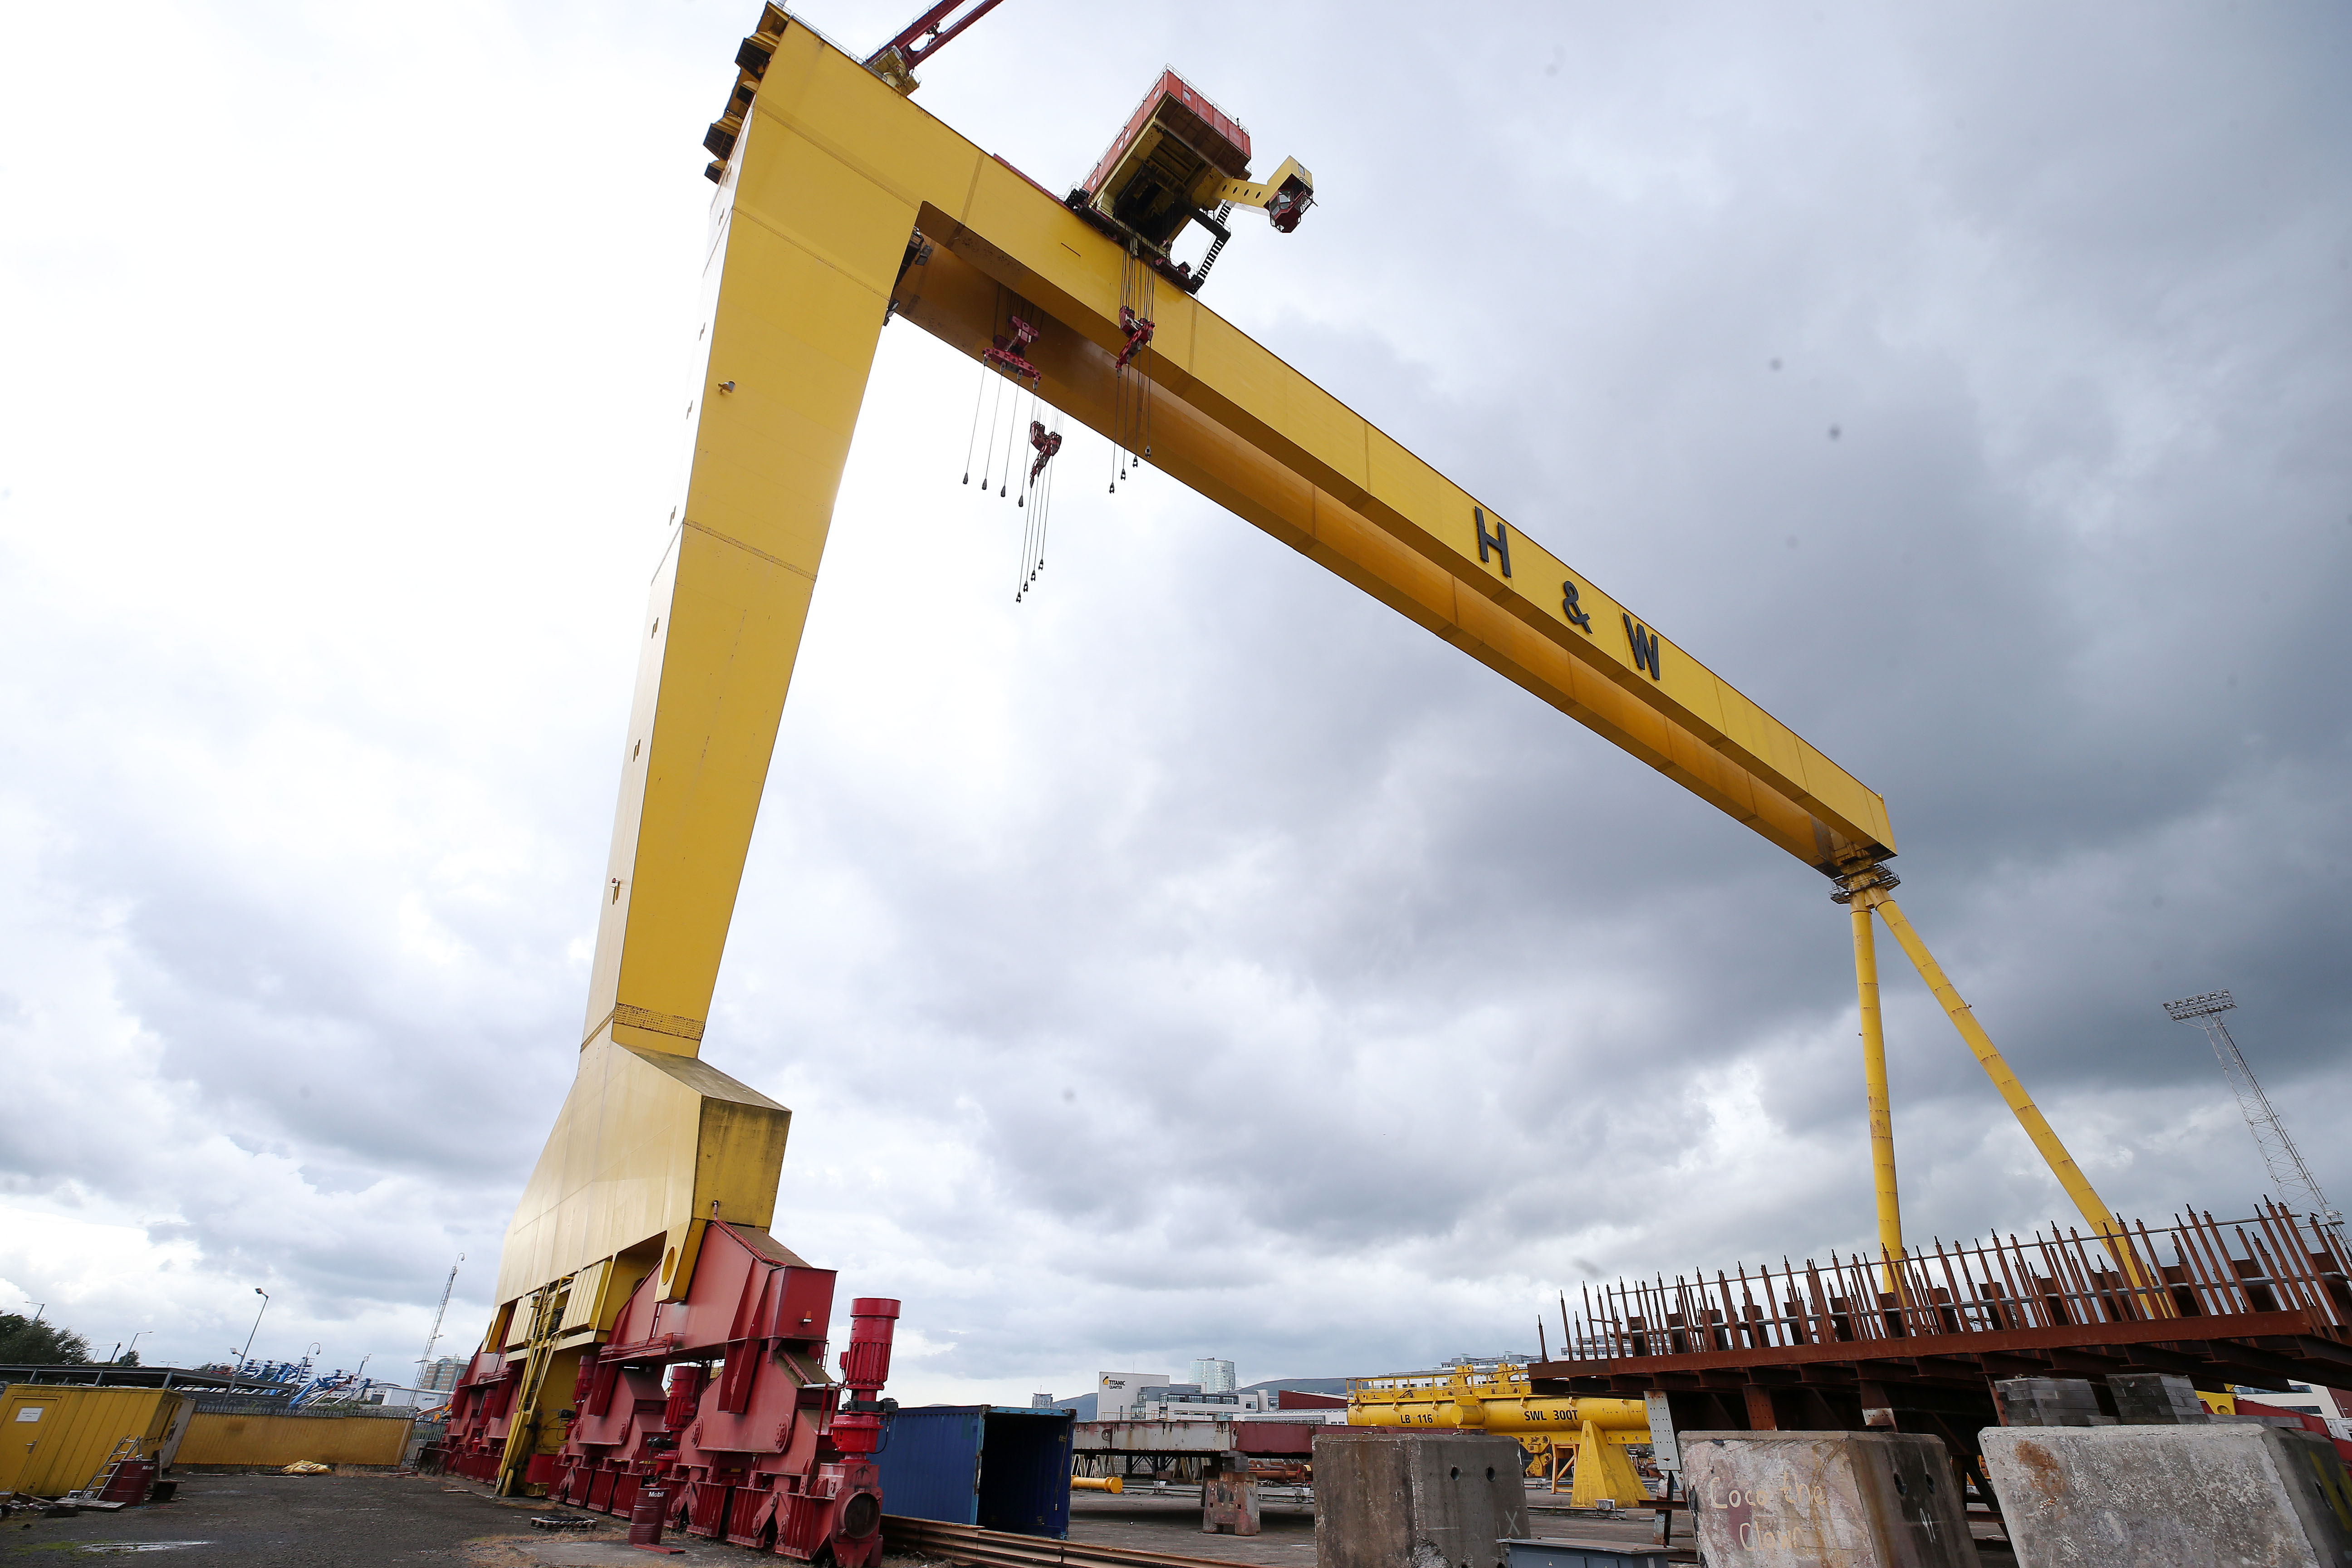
(1825,1500)
(1229,1504)
(2153,1399)
(1387,1499)
(2171,1496)
(2049,1401)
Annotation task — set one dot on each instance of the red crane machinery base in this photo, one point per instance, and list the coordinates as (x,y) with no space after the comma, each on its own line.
(767,1454)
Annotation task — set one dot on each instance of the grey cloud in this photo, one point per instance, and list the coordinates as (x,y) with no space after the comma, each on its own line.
(1390,1003)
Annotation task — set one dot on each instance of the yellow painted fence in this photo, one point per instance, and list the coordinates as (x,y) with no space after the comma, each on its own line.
(272,1440)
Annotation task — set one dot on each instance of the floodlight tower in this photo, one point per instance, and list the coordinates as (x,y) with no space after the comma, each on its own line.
(424,1368)
(2297,1186)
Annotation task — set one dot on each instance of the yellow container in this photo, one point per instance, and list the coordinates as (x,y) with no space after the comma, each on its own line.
(55,1438)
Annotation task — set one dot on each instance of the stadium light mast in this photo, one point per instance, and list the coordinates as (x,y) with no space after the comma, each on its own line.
(2297,1186)
(433,1338)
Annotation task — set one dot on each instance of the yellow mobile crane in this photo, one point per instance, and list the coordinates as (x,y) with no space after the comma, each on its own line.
(841,204)
(1502,1401)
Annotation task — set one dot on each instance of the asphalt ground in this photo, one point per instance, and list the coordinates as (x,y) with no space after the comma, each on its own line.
(332,1522)
(270,1520)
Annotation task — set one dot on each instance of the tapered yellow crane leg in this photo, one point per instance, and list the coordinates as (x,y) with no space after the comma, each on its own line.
(2095,1211)
(1874,1075)
(652,1141)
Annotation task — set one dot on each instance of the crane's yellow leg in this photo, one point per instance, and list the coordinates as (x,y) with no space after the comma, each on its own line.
(2093,1208)
(652,1141)
(1873,1074)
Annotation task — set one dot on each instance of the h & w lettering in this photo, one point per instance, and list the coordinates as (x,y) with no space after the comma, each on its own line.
(1500,538)
(1645,645)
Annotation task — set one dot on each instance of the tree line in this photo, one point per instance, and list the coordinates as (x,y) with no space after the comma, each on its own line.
(25,1342)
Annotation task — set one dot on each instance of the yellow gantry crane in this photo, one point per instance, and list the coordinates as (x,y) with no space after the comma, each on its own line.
(841,204)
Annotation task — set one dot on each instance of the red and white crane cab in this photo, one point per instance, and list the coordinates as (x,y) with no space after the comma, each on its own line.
(1181,160)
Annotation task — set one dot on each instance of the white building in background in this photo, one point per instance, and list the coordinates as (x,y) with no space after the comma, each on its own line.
(1214,1377)
(1183,1401)
(1116,1393)
(2332,1405)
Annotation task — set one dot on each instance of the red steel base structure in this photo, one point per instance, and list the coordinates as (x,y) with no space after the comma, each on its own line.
(722,1399)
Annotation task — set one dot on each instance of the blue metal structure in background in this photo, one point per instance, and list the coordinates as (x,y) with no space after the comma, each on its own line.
(996,1466)
(306,1383)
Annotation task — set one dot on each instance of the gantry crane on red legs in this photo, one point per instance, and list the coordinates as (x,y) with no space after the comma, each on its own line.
(721,1399)
(692,1360)
(651,1332)
(648,1328)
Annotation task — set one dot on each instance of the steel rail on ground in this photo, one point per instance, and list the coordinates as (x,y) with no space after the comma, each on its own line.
(969,1544)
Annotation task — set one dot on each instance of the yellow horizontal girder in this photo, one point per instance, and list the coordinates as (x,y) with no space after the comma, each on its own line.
(1587,674)
(1255,435)
(831,176)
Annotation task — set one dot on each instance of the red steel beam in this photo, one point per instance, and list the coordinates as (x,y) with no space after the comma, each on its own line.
(928,34)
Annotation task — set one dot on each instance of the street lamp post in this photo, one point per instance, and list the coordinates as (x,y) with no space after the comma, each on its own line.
(242,1355)
(134,1346)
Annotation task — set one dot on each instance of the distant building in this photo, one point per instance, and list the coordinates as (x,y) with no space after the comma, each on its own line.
(1150,1396)
(441,1376)
(2331,1405)
(1213,1375)
(1116,1392)
(1041,1402)
(1183,1402)
(1335,1387)
(1302,1399)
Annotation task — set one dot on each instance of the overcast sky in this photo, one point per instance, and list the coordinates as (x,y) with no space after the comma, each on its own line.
(1198,958)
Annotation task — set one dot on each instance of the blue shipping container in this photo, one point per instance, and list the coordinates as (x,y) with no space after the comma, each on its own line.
(996,1466)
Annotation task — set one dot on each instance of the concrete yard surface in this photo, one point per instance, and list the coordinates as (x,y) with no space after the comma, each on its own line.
(1173,1524)
(332,1522)
(358,1521)
(361,1521)
(1286,1538)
